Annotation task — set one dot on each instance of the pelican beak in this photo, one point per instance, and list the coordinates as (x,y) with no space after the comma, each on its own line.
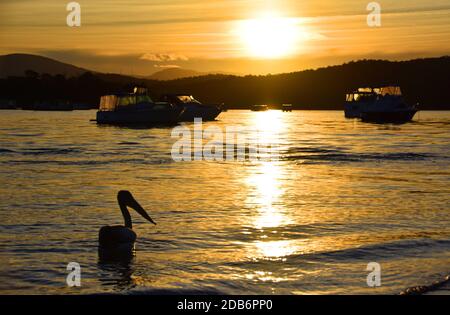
(132,203)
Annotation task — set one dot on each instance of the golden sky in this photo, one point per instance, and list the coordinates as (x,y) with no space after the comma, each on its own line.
(245,36)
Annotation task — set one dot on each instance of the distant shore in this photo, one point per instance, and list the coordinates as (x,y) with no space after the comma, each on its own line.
(423,82)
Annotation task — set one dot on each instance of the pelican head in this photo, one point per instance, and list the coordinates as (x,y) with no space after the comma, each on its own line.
(126,199)
(118,240)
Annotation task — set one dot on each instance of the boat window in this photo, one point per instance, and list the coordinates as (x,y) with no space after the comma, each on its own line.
(108,103)
(140,90)
(143,99)
(185,98)
(391,90)
(127,100)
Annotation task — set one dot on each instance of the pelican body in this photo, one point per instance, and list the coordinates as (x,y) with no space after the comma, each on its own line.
(118,241)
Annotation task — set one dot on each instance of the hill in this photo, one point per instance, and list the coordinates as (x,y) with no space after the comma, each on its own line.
(17,64)
(422,80)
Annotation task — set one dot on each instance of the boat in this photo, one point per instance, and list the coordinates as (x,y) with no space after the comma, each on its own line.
(382,104)
(136,108)
(286,107)
(192,108)
(260,108)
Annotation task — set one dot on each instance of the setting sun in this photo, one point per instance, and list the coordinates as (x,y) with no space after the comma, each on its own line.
(270,36)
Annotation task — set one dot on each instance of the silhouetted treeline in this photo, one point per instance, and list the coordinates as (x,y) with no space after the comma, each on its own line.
(35,88)
(423,80)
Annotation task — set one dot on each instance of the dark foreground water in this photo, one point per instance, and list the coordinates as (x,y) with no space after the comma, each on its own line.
(342,194)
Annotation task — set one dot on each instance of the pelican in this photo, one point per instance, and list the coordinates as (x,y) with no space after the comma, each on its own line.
(118,240)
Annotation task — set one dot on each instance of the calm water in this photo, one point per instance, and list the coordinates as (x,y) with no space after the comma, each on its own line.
(342,194)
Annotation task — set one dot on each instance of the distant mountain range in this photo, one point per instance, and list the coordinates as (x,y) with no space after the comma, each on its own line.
(17,64)
(425,81)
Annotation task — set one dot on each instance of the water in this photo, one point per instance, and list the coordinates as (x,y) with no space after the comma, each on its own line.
(342,194)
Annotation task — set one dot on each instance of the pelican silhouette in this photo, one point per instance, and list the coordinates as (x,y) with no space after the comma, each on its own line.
(119,240)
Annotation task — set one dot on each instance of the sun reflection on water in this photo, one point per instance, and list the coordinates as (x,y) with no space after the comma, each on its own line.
(269,126)
(276,249)
(266,193)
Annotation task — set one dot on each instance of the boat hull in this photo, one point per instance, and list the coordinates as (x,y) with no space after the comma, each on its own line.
(259,108)
(352,111)
(141,117)
(388,117)
(206,113)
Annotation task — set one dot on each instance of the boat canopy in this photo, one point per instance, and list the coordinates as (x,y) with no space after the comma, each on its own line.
(108,102)
(112,102)
(364,93)
(140,90)
(388,90)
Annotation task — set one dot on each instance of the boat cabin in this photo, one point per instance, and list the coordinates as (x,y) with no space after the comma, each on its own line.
(371,94)
(122,101)
(179,99)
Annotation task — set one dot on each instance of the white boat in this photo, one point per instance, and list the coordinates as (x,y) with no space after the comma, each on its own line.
(383,104)
(192,107)
(136,109)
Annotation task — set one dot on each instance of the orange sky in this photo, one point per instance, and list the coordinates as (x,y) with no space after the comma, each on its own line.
(141,37)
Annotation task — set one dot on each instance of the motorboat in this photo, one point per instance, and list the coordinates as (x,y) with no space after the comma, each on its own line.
(136,108)
(383,104)
(192,108)
(260,108)
(286,107)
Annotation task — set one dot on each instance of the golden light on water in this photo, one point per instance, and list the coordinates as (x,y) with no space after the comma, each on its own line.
(265,180)
(269,124)
(267,192)
(276,249)
(270,214)
(271,36)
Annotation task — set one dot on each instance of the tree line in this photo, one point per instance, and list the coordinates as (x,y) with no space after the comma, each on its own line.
(423,81)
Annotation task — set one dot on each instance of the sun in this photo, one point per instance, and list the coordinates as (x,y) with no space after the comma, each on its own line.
(270,36)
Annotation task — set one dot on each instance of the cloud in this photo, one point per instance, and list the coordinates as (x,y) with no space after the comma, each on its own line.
(163,57)
(167,66)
